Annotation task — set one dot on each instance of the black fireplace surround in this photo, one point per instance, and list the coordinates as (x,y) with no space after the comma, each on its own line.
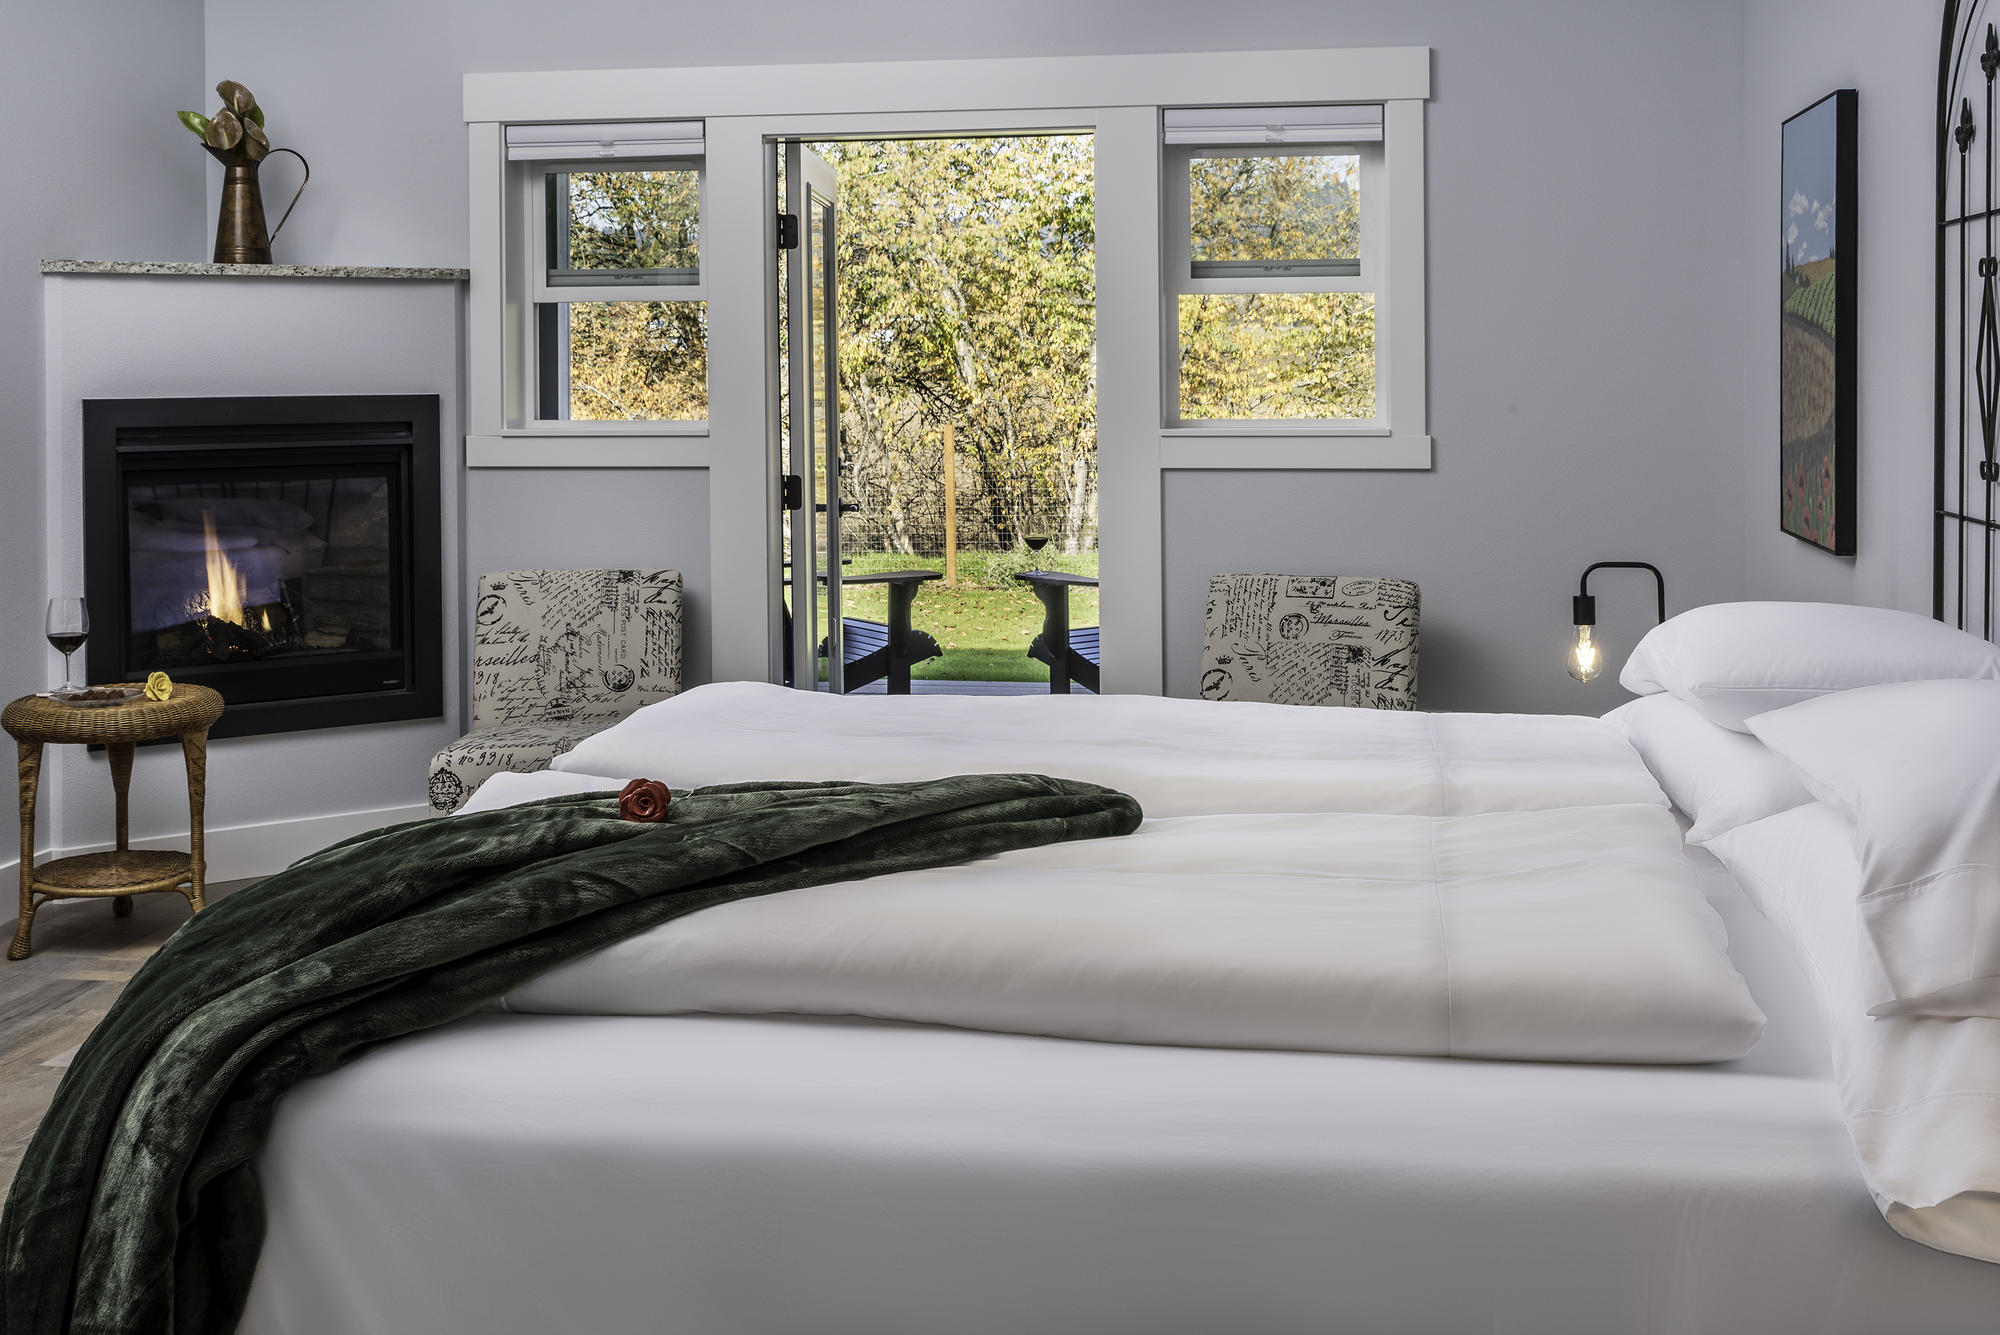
(284,551)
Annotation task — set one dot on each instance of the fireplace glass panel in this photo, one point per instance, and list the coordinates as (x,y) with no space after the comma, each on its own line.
(243,571)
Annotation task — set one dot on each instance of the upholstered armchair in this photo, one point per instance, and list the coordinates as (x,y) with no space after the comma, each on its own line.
(556,656)
(1311,640)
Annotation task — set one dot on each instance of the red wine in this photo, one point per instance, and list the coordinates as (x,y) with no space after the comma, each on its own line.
(67,644)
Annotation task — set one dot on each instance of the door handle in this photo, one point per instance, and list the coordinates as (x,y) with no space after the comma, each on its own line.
(846,507)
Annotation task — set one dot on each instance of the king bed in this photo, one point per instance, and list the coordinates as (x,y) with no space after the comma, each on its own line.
(1682,1020)
(717,1174)
(1380,1022)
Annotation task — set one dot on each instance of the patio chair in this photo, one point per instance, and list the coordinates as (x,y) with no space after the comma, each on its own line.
(1070,651)
(872,650)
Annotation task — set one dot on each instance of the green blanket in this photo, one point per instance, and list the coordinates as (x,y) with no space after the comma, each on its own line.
(137,1208)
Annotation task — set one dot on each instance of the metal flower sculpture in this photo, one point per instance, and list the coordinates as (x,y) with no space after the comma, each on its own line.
(235,136)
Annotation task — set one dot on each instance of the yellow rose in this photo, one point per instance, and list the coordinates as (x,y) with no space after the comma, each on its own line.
(159,686)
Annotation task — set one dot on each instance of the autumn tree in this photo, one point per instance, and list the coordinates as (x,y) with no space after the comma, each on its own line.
(1276,354)
(968,295)
(633,359)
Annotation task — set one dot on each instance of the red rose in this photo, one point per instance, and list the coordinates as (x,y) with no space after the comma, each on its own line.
(644,799)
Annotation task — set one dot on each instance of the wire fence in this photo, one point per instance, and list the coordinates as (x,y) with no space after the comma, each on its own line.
(999,500)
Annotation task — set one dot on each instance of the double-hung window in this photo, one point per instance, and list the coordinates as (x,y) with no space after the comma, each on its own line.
(1275,267)
(612,262)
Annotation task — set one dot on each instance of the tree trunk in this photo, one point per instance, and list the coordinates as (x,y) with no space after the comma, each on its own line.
(1080,501)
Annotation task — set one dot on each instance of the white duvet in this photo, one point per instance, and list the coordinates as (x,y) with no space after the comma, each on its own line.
(1338,880)
(1178,757)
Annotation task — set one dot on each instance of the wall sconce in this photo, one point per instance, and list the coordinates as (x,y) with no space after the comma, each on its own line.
(1586,659)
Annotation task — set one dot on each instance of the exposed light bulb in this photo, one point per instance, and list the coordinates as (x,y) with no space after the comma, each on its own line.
(1585,662)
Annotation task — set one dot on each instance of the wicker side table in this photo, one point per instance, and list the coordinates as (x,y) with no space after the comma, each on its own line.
(34,721)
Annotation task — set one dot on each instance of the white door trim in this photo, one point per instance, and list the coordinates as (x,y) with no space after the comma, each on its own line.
(1117,99)
(1195,78)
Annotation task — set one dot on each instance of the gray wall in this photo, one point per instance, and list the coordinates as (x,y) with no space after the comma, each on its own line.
(1584,338)
(636,517)
(1794,53)
(1603,184)
(1601,385)
(1584,347)
(128,336)
(98,169)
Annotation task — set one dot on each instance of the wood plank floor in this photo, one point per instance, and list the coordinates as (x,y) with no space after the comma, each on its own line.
(50,1001)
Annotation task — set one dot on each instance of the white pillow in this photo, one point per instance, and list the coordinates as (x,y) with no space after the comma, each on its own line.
(1916,767)
(1733,660)
(1718,778)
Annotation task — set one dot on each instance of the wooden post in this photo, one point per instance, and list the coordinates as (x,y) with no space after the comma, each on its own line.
(31,779)
(950,503)
(120,756)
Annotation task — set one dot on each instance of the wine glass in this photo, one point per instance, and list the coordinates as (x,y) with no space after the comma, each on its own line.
(67,626)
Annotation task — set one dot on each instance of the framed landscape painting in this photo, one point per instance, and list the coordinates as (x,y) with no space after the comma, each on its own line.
(1816,333)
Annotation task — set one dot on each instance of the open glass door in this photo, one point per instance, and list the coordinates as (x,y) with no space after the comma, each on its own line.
(812,437)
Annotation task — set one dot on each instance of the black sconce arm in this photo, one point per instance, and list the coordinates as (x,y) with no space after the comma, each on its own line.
(1585,606)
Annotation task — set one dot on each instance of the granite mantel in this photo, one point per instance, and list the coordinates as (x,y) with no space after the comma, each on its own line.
(198,269)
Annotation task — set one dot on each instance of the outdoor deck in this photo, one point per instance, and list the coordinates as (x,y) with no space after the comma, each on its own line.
(921,687)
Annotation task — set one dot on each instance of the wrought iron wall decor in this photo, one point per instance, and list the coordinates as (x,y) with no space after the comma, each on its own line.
(1816,325)
(1965,534)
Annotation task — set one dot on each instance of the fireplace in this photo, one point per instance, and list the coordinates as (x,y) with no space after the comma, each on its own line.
(284,551)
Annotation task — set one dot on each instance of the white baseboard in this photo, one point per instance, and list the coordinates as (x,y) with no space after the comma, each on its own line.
(239,852)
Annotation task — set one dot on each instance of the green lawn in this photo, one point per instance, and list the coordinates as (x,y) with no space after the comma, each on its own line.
(985,621)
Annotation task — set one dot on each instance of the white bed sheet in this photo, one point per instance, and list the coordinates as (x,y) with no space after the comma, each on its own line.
(1922,1093)
(521,1175)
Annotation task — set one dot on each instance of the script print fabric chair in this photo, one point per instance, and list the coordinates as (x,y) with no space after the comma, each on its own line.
(558,655)
(1311,640)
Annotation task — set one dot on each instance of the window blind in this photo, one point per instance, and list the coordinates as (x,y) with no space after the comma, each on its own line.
(626,139)
(1343,124)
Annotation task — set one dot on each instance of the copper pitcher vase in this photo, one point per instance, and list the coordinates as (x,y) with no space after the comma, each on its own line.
(240,235)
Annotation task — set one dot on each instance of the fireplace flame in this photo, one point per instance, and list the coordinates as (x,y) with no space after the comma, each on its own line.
(225,582)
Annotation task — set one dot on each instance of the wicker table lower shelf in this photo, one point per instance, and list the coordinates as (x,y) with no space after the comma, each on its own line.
(126,871)
(118,874)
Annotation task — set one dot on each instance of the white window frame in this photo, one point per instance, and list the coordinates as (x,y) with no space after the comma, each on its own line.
(1179,281)
(544,291)
(528,184)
